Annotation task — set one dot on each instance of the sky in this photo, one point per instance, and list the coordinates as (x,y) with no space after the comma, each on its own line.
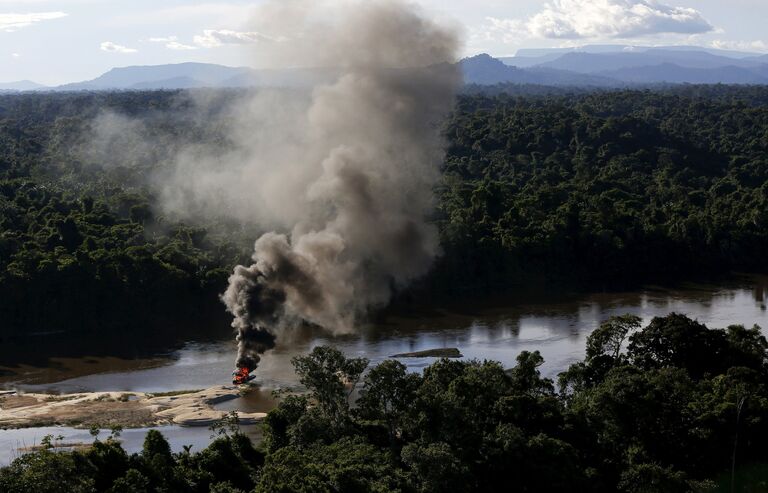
(58,41)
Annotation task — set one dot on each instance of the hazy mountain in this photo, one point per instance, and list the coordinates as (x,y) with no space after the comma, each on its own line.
(186,74)
(529,61)
(762,70)
(486,70)
(529,57)
(296,77)
(540,52)
(172,83)
(593,59)
(21,85)
(598,49)
(590,63)
(553,77)
(600,66)
(671,73)
(192,75)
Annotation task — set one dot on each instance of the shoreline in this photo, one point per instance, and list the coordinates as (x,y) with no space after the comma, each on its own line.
(125,409)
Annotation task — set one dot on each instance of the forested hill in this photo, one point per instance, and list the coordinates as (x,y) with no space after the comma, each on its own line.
(585,188)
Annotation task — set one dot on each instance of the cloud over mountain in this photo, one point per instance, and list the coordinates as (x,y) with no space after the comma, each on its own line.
(598,19)
(577,19)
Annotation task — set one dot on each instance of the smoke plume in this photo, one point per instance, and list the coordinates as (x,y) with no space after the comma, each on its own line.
(345,172)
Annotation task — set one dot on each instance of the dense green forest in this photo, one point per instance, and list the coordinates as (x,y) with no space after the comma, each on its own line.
(674,407)
(80,245)
(574,187)
(610,187)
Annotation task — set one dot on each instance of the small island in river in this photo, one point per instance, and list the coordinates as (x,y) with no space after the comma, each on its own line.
(448,352)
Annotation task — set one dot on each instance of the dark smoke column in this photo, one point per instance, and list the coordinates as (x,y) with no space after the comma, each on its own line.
(373,150)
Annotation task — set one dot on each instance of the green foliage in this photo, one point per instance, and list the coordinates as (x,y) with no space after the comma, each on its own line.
(330,378)
(608,339)
(608,187)
(47,471)
(81,230)
(386,397)
(611,188)
(538,185)
(280,420)
(434,467)
(349,465)
(680,408)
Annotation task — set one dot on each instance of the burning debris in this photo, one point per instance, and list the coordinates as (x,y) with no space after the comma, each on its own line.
(362,175)
(242,375)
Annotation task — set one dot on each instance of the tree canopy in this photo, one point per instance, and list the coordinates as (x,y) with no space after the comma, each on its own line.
(673,406)
(593,189)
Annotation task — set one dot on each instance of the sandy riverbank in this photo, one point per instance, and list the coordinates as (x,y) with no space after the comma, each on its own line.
(126,409)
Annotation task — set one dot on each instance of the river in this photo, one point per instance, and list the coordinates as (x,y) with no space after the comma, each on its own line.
(494,329)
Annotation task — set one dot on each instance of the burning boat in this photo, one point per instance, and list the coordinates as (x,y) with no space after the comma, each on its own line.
(242,375)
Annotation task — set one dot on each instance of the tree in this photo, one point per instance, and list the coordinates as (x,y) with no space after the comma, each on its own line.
(330,378)
(608,339)
(387,395)
(652,478)
(435,467)
(348,465)
(677,341)
(47,471)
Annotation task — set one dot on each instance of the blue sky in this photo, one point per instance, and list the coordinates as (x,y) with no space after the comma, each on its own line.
(53,42)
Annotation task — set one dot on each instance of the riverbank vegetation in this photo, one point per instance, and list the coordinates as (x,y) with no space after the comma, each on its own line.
(580,189)
(672,407)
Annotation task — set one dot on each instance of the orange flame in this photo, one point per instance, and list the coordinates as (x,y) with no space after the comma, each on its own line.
(241,376)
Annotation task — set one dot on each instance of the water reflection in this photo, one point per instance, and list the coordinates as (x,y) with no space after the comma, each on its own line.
(496,329)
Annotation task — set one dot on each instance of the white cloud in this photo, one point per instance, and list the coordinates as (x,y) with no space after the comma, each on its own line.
(172,43)
(15,55)
(578,19)
(116,48)
(175,45)
(757,45)
(600,19)
(508,30)
(13,22)
(212,38)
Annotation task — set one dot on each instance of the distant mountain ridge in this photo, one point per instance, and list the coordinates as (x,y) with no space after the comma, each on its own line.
(604,66)
(486,70)
(21,85)
(674,74)
(159,76)
(588,63)
(635,66)
(597,49)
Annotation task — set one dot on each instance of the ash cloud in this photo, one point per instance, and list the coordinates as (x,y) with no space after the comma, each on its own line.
(342,172)
(353,176)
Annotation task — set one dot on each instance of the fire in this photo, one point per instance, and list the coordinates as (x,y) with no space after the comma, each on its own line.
(241,375)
